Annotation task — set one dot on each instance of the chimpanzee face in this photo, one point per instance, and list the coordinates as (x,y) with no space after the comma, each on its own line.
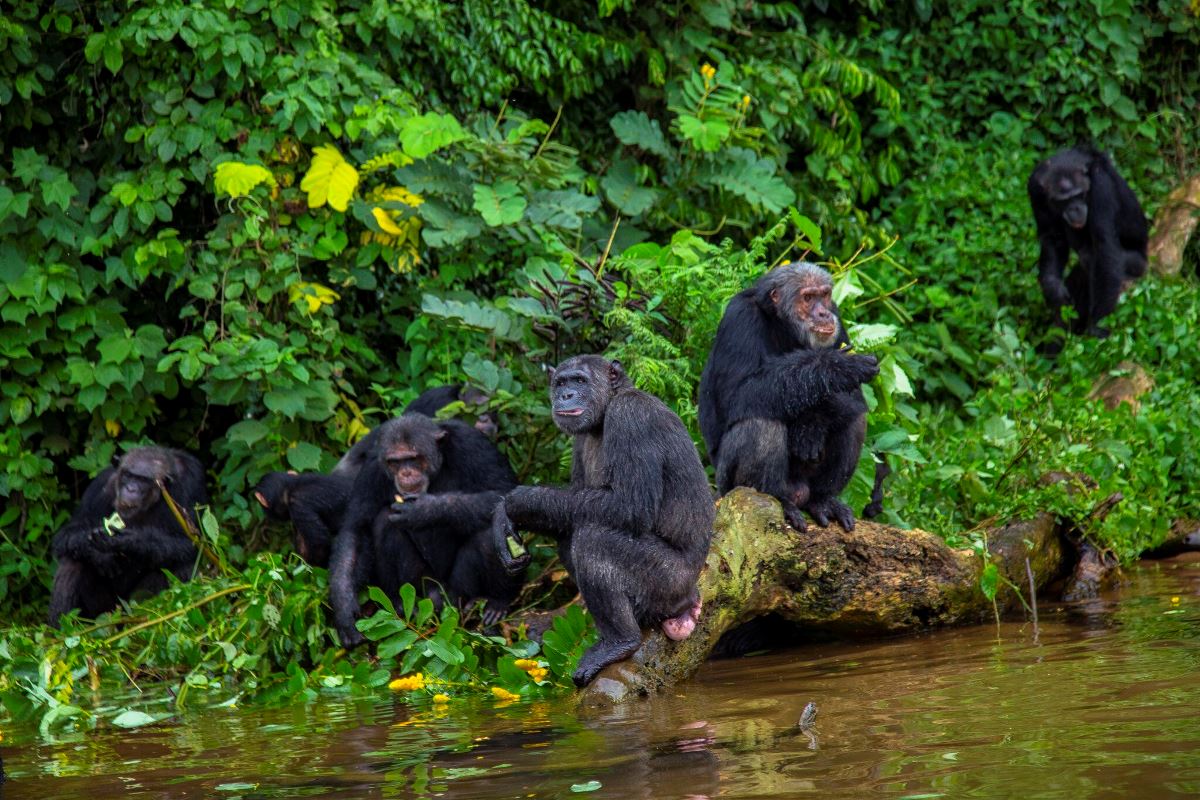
(580,389)
(1067,185)
(806,303)
(411,453)
(272,494)
(136,493)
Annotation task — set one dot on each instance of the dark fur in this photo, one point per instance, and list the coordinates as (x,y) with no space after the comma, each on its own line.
(441,534)
(780,412)
(635,523)
(95,571)
(1111,245)
(313,503)
(429,403)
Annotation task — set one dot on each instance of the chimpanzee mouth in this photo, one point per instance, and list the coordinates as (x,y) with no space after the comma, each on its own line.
(571,412)
(824,333)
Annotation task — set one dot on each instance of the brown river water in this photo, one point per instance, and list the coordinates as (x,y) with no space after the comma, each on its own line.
(1104,703)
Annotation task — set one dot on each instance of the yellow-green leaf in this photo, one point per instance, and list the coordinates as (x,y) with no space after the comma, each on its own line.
(237,180)
(330,179)
(385,222)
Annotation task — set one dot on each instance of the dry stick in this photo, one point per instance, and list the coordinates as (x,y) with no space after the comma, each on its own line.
(188,528)
(1032,598)
(202,601)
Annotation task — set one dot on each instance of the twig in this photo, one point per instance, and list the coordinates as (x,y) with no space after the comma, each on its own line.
(1032,598)
(202,601)
(188,527)
(549,133)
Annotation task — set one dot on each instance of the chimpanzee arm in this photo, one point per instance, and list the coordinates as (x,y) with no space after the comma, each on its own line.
(1054,248)
(83,537)
(157,542)
(541,509)
(461,514)
(351,556)
(790,385)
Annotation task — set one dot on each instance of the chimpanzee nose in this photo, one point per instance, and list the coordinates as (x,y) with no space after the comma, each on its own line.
(566,394)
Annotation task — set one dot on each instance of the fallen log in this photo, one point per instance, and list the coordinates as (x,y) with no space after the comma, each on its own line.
(875,580)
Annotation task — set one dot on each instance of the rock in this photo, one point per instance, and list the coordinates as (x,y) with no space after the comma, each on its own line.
(1173,227)
(1128,383)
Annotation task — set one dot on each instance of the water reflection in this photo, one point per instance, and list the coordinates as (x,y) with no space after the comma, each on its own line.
(1103,705)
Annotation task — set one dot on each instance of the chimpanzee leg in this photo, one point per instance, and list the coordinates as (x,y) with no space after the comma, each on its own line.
(1105,286)
(1133,264)
(1078,283)
(397,561)
(77,585)
(842,450)
(754,453)
(626,581)
(349,570)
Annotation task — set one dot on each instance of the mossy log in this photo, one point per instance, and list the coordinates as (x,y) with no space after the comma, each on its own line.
(875,580)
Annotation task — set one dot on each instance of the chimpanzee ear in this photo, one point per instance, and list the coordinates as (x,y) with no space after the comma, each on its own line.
(775,296)
(116,460)
(441,434)
(616,373)
(549,371)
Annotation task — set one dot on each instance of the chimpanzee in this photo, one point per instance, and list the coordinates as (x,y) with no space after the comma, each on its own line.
(429,402)
(312,502)
(781,404)
(434,399)
(104,558)
(635,523)
(1081,203)
(419,508)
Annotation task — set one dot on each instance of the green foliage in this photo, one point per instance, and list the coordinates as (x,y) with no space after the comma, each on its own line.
(255,231)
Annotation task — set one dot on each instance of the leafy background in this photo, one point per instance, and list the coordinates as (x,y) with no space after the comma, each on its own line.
(254,230)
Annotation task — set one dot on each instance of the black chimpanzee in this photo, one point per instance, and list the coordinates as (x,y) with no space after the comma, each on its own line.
(102,559)
(420,508)
(1081,203)
(781,403)
(312,502)
(635,523)
(429,402)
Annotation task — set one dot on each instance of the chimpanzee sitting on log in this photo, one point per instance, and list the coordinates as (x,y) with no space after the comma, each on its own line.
(420,508)
(781,403)
(102,559)
(1081,203)
(635,523)
(312,502)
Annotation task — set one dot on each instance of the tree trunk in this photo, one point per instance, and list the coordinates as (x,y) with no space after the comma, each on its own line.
(874,580)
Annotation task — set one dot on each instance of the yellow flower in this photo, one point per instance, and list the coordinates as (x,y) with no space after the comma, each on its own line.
(504,694)
(409,683)
(441,698)
(1174,599)
(538,674)
(113,427)
(525,664)
(745,99)
(708,71)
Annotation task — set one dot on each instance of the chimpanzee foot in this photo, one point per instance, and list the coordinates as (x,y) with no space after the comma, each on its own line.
(493,612)
(794,516)
(600,655)
(679,628)
(831,508)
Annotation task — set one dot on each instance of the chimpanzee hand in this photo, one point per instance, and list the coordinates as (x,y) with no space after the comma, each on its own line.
(853,369)
(513,555)
(415,512)
(1056,293)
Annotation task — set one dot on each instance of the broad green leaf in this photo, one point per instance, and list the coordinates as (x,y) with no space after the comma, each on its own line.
(427,133)
(304,457)
(590,786)
(989,581)
(620,185)
(499,204)
(132,719)
(753,178)
(704,134)
(635,128)
(237,179)
(329,179)
(59,190)
(288,402)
